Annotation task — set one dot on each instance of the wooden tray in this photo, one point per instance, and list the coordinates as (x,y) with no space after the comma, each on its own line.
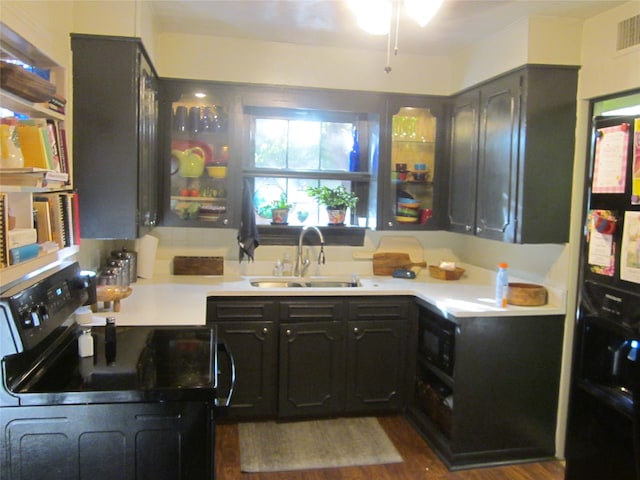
(25,84)
(442,274)
(198,265)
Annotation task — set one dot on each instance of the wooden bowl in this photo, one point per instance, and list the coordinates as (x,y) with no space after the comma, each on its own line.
(111,293)
(442,274)
(526,294)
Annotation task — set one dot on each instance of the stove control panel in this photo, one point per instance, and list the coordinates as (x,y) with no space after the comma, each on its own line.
(34,309)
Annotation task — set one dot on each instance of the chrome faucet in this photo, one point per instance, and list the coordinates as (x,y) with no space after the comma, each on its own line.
(302,265)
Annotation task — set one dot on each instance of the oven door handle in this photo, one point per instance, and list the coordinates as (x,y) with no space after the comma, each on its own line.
(222,401)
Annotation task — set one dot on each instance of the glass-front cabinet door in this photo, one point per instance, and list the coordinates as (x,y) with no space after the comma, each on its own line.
(411,199)
(199,131)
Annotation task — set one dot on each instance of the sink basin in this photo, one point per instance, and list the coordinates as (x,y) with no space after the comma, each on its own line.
(330,284)
(304,283)
(277,284)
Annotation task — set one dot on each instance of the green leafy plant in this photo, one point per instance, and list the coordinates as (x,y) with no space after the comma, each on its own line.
(282,202)
(333,198)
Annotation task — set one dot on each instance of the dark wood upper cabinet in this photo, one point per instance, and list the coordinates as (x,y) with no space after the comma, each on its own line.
(511,156)
(115,118)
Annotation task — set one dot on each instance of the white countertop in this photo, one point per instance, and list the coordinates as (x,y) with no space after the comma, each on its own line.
(181,300)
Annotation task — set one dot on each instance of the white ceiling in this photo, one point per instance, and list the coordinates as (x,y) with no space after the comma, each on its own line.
(330,22)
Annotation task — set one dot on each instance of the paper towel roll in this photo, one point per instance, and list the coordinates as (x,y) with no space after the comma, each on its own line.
(146,248)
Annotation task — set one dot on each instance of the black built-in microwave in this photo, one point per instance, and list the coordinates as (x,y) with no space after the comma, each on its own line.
(436,340)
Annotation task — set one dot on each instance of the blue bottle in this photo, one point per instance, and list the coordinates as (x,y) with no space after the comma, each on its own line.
(354,155)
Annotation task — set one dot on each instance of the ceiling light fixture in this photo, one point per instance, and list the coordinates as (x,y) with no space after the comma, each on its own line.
(376,17)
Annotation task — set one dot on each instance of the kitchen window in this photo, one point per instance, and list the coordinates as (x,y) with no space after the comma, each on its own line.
(291,149)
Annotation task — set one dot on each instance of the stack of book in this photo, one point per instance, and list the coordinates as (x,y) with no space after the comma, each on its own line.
(44,144)
(56,225)
(57,219)
(55,103)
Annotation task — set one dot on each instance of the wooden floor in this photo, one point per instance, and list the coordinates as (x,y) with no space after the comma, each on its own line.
(419,462)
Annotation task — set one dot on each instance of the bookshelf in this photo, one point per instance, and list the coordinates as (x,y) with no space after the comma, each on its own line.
(22,188)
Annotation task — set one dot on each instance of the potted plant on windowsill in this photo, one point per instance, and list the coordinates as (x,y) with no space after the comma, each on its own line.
(337,200)
(280,209)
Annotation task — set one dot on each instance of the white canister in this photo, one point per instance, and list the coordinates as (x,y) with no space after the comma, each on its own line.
(85,344)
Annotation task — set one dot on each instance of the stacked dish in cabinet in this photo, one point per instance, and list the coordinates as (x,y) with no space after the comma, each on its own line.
(199,159)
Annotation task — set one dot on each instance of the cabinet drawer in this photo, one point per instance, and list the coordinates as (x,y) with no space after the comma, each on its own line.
(311,309)
(383,309)
(240,309)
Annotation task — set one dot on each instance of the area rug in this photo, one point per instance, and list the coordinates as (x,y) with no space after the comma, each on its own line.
(342,442)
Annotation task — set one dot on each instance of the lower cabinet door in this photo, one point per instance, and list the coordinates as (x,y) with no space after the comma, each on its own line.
(376,365)
(254,347)
(312,366)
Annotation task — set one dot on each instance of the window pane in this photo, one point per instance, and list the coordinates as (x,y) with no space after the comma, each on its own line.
(337,141)
(271,143)
(304,145)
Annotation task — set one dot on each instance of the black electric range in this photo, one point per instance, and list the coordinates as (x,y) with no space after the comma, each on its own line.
(142,406)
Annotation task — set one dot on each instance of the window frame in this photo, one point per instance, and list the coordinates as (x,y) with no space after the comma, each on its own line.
(361,181)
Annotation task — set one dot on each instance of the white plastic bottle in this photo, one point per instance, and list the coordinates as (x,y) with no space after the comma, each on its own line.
(502,285)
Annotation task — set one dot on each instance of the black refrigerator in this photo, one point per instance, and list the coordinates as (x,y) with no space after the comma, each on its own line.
(603,430)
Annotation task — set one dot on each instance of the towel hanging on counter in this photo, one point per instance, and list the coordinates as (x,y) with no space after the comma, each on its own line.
(248,238)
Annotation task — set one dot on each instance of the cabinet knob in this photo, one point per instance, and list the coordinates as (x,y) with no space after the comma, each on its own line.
(478,229)
(225,221)
(355,330)
(265,330)
(390,224)
(288,333)
(467,228)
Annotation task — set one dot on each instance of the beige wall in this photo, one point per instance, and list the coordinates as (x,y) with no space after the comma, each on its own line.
(215,58)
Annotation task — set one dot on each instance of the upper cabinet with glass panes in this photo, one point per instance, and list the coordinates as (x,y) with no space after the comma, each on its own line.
(201,182)
(412,199)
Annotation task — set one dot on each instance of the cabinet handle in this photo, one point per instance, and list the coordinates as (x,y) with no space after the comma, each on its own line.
(225,221)
(390,224)
(467,228)
(265,330)
(355,330)
(478,229)
(288,333)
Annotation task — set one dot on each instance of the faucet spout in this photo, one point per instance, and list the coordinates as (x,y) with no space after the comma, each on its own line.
(301,266)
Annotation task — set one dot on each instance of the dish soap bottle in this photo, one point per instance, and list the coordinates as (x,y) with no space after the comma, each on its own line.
(502,285)
(287,265)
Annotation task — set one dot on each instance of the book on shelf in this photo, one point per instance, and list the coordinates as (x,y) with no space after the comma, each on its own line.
(52,130)
(4,228)
(23,253)
(19,237)
(42,221)
(34,146)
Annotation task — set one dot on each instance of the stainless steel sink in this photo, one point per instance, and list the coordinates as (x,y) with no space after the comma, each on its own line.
(277,284)
(331,284)
(304,283)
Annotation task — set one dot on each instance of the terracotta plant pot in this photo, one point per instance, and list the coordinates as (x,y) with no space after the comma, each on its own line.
(336,217)
(280,215)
